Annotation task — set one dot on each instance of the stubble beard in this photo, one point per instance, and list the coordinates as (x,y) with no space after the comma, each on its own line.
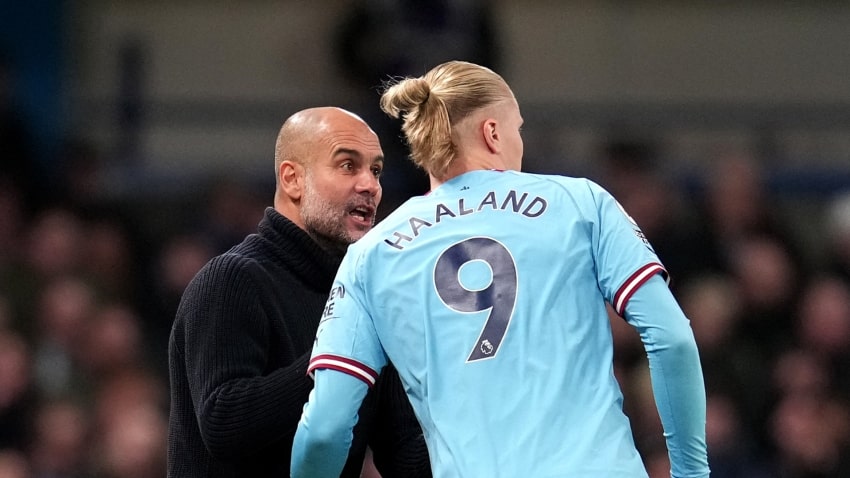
(325,222)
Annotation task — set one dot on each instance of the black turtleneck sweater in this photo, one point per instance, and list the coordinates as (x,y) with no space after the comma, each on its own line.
(238,357)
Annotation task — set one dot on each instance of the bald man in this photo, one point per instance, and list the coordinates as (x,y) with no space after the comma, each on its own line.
(242,337)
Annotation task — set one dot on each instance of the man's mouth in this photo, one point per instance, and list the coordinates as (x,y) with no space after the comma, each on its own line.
(363,213)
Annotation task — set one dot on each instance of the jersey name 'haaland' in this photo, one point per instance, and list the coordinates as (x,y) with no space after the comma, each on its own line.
(512,202)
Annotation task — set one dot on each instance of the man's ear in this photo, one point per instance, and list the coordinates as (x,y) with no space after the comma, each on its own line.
(291,178)
(490,133)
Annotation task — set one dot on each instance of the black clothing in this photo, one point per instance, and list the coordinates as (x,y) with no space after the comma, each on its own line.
(238,356)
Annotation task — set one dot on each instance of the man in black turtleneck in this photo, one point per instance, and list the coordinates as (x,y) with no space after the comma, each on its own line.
(245,326)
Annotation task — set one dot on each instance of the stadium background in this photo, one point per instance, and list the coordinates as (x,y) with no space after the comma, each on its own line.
(137,142)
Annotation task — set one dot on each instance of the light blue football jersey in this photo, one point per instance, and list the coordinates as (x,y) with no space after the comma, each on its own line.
(489,296)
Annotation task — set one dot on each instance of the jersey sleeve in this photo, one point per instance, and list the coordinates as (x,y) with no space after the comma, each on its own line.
(624,257)
(325,431)
(676,373)
(346,339)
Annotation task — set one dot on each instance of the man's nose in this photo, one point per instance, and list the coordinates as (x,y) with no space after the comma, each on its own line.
(368,182)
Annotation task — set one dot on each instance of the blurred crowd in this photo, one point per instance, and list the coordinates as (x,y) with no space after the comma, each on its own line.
(87,296)
(768,296)
(89,285)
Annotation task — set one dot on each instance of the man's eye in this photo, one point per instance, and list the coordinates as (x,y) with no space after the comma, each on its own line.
(377,172)
(348,166)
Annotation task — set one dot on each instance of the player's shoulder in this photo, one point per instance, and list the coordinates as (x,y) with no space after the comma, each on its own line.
(570,184)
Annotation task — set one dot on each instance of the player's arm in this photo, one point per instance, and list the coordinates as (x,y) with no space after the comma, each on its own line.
(677,380)
(325,431)
(347,358)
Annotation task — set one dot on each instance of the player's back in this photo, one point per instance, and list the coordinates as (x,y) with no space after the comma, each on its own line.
(495,318)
